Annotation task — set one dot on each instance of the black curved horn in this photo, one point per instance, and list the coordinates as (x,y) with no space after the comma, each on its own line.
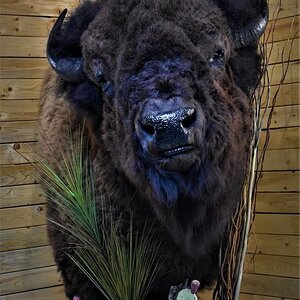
(254,30)
(69,68)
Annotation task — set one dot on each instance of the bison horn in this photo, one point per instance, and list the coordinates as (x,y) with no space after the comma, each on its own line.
(69,68)
(254,30)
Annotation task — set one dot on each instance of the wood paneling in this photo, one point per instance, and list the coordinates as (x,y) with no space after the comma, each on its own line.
(279,182)
(31,68)
(276,265)
(283,29)
(29,280)
(283,159)
(20,88)
(284,138)
(27,266)
(16,217)
(22,238)
(35,7)
(17,174)
(52,293)
(19,110)
(208,295)
(276,73)
(278,203)
(271,286)
(276,224)
(283,51)
(244,296)
(12,46)
(288,8)
(17,153)
(287,94)
(24,259)
(273,265)
(274,244)
(21,195)
(25,26)
(26,131)
(284,116)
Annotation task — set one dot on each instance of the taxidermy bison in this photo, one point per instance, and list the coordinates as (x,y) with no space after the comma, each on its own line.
(163,87)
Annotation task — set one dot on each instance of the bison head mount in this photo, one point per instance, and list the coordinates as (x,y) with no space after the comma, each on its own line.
(175,77)
(165,89)
(166,85)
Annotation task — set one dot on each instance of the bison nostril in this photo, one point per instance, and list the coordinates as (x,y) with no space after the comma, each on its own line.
(148,129)
(189,120)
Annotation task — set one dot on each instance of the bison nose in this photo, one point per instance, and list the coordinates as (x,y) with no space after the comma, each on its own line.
(168,133)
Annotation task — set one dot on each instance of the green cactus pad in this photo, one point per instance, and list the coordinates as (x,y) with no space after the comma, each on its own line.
(186,294)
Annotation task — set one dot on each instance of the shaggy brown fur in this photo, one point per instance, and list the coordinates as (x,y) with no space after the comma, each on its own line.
(157,49)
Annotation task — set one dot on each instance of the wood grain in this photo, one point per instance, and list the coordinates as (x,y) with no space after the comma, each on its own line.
(277,265)
(283,138)
(276,224)
(274,244)
(270,286)
(19,110)
(208,295)
(278,202)
(24,259)
(288,94)
(283,159)
(284,116)
(23,46)
(22,238)
(21,131)
(50,8)
(17,153)
(276,73)
(35,7)
(17,174)
(28,280)
(244,296)
(52,293)
(287,8)
(26,26)
(279,182)
(283,29)
(273,265)
(283,51)
(20,88)
(31,68)
(16,217)
(21,195)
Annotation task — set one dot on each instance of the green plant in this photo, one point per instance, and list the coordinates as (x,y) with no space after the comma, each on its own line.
(122,268)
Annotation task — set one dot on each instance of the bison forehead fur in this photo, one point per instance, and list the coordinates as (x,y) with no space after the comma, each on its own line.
(169,131)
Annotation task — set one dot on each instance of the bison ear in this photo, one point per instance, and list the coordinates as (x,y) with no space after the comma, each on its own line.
(95,72)
(247,19)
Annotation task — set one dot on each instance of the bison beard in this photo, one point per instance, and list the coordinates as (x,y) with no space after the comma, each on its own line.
(164,88)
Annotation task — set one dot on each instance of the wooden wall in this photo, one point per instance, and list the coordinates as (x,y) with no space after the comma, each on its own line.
(273,272)
(27,268)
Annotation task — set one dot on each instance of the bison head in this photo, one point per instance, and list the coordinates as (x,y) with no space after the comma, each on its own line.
(166,85)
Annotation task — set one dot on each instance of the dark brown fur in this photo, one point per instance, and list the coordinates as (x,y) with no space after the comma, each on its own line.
(157,49)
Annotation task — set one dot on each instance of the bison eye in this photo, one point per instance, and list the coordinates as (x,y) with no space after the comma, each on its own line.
(217,58)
